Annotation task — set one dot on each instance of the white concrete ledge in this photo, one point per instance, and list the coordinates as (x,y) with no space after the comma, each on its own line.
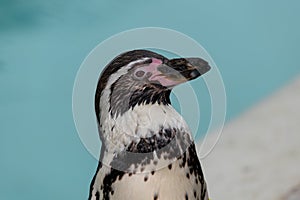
(258,155)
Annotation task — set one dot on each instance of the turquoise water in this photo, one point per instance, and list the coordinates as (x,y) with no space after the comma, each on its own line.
(42,44)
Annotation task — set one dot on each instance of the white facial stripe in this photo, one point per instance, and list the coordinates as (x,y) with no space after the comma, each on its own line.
(123,70)
(104,102)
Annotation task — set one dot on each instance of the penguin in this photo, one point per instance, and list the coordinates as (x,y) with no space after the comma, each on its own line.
(147,150)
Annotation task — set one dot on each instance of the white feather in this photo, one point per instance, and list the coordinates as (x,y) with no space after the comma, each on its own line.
(138,123)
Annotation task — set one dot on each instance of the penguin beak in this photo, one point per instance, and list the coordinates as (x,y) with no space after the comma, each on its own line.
(181,70)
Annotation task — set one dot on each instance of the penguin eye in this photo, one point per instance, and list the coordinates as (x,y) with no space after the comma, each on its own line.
(139,74)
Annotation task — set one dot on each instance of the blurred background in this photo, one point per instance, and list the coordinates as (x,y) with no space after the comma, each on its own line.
(254,43)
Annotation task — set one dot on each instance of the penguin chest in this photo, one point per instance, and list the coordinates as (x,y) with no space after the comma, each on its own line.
(169,183)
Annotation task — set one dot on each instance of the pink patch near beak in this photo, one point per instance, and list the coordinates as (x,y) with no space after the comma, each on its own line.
(157,75)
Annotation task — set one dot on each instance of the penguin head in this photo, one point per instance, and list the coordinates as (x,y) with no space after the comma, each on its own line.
(142,77)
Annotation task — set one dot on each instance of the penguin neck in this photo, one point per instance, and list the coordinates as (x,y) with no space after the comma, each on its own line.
(143,121)
(122,98)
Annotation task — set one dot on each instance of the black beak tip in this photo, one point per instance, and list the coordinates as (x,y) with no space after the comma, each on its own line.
(190,68)
(200,70)
(205,68)
(201,65)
